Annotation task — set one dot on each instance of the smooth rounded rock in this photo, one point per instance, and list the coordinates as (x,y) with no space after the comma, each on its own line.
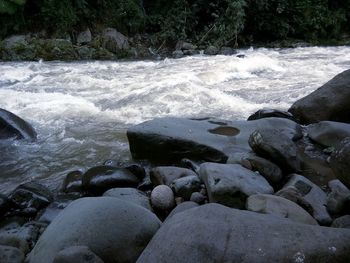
(162,198)
(131,195)
(185,186)
(340,162)
(76,254)
(198,198)
(342,222)
(11,255)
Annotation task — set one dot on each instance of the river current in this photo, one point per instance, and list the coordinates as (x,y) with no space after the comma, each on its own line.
(81,110)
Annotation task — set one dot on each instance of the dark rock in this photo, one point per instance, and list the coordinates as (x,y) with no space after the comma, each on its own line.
(167,174)
(84,37)
(72,182)
(167,140)
(189,164)
(76,254)
(329,102)
(240,56)
(185,186)
(137,170)
(198,198)
(232,184)
(53,210)
(11,255)
(182,45)
(162,198)
(280,207)
(114,41)
(328,133)
(4,205)
(268,113)
(313,195)
(181,207)
(146,184)
(227,51)
(115,230)
(211,50)
(191,52)
(338,200)
(12,126)
(99,179)
(277,147)
(342,222)
(131,195)
(340,162)
(215,233)
(178,54)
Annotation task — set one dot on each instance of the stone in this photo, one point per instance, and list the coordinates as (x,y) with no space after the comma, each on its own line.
(232,184)
(215,233)
(72,182)
(182,45)
(162,198)
(53,210)
(277,147)
(114,41)
(77,254)
(178,54)
(342,222)
(14,40)
(268,113)
(12,126)
(167,174)
(328,133)
(84,37)
(211,50)
(99,179)
(11,255)
(181,207)
(115,230)
(131,195)
(340,162)
(227,51)
(185,186)
(313,195)
(280,207)
(328,103)
(198,198)
(338,200)
(4,205)
(167,140)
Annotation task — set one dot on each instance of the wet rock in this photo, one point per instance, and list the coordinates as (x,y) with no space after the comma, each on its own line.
(232,184)
(77,254)
(162,198)
(84,37)
(280,207)
(227,51)
(146,185)
(313,195)
(11,255)
(53,210)
(131,195)
(99,179)
(114,41)
(277,147)
(182,45)
(12,126)
(338,200)
(198,198)
(72,182)
(178,54)
(329,102)
(342,222)
(185,186)
(167,140)
(211,50)
(4,205)
(268,113)
(85,52)
(117,231)
(340,162)
(181,207)
(137,170)
(167,174)
(328,133)
(215,233)
(189,164)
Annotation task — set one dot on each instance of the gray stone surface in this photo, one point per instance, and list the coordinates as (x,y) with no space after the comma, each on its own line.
(268,113)
(340,162)
(76,254)
(185,186)
(338,200)
(342,222)
(11,255)
(131,195)
(280,207)
(198,198)
(162,198)
(181,207)
(167,174)
(231,184)
(113,40)
(84,37)
(215,233)
(271,172)
(116,230)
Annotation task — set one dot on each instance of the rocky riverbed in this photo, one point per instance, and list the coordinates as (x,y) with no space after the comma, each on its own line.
(273,188)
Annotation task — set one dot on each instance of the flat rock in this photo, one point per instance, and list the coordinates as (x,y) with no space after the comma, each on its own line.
(11,255)
(280,207)
(167,174)
(77,254)
(131,195)
(340,161)
(329,102)
(328,133)
(222,234)
(115,230)
(232,184)
(166,140)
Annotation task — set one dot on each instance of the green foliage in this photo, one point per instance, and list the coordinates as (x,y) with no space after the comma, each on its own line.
(10,6)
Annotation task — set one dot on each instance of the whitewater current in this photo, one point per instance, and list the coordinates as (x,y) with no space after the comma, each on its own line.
(81,110)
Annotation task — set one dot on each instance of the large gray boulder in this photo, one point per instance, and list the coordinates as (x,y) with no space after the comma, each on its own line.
(113,40)
(12,126)
(77,254)
(131,195)
(329,102)
(338,199)
(340,162)
(115,230)
(232,184)
(166,140)
(215,233)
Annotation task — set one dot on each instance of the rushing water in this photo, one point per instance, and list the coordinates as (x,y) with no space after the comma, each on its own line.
(81,110)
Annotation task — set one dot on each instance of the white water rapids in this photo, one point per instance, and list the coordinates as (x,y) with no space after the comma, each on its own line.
(81,110)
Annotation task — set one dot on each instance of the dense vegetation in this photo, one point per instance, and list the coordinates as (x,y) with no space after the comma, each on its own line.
(217,22)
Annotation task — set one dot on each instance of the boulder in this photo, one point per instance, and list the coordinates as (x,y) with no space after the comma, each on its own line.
(131,195)
(277,147)
(115,230)
(313,195)
(167,174)
(280,207)
(11,255)
(232,184)
(182,207)
(14,40)
(338,200)
(72,182)
(268,113)
(328,133)
(342,222)
(99,179)
(114,41)
(215,233)
(198,198)
(227,51)
(84,37)
(162,198)
(12,126)
(76,254)
(183,45)
(329,102)
(211,50)
(340,161)
(185,186)
(166,140)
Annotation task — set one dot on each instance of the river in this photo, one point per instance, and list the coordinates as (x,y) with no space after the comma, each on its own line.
(81,110)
